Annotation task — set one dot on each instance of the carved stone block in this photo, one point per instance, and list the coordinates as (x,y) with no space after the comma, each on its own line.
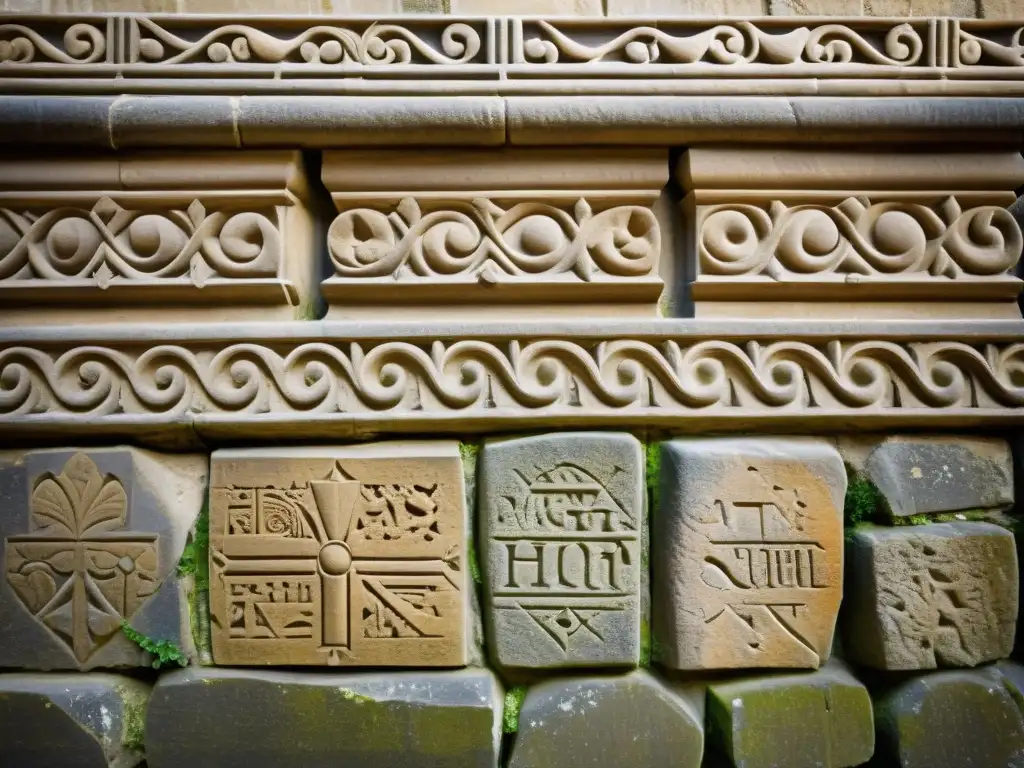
(347,556)
(92,539)
(86,721)
(224,233)
(919,475)
(746,547)
(950,720)
(482,229)
(635,719)
(561,519)
(324,720)
(820,718)
(927,596)
(889,232)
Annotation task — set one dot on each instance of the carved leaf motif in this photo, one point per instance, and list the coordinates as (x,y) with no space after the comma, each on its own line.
(79,500)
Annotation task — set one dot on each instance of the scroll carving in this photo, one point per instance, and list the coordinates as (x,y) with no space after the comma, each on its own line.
(466,378)
(858,237)
(976,49)
(483,239)
(109,241)
(82,44)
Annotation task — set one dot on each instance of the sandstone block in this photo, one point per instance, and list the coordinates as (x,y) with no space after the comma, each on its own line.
(924,475)
(561,518)
(927,596)
(344,556)
(818,719)
(746,546)
(632,720)
(91,539)
(950,719)
(254,718)
(78,721)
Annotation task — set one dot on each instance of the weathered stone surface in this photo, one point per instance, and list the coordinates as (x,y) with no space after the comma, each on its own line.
(950,720)
(747,552)
(927,596)
(339,555)
(924,475)
(72,721)
(92,538)
(561,519)
(818,719)
(250,718)
(633,720)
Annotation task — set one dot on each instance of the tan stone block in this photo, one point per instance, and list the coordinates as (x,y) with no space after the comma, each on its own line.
(345,556)
(686,7)
(304,7)
(746,545)
(961,8)
(111,6)
(1000,9)
(816,7)
(527,7)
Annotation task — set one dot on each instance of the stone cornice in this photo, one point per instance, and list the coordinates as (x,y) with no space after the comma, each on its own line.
(256,381)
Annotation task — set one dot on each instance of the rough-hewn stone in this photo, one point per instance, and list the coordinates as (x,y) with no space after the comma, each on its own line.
(346,556)
(950,719)
(746,545)
(923,475)
(249,718)
(72,721)
(633,720)
(92,538)
(561,519)
(921,597)
(819,719)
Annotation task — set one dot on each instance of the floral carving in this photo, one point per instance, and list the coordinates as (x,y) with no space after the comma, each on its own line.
(485,239)
(77,572)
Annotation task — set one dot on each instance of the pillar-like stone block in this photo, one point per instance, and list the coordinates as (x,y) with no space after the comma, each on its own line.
(821,718)
(87,721)
(92,539)
(255,718)
(927,596)
(561,518)
(636,720)
(795,232)
(348,556)
(746,546)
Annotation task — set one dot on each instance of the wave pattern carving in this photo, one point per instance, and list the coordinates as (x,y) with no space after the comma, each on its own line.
(82,44)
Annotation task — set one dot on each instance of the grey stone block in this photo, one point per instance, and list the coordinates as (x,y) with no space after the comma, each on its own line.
(69,120)
(633,720)
(952,719)
(92,538)
(173,121)
(561,517)
(235,718)
(925,475)
(72,721)
(921,597)
(819,719)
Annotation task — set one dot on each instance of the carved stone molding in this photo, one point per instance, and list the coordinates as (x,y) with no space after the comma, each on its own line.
(770,225)
(175,230)
(332,379)
(469,229)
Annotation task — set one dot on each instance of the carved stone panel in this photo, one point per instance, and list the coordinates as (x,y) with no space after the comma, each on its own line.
(339,556)
(747,552)
(91,540)
(562,517)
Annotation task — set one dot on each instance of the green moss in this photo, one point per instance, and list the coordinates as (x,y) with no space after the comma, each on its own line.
(351,695)
(469,452)
(912,520)
(645,643)
(307,311)
(473,562)
(195,563)
(133,731)
(513,704)
(164,652)
(864,503)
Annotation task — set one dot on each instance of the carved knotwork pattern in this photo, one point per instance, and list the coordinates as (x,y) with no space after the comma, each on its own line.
(858,237)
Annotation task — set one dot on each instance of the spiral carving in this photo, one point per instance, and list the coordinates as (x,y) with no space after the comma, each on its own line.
(470,377)
(974,49)
(858,237)
(83,44)
(526,239)
(68,243)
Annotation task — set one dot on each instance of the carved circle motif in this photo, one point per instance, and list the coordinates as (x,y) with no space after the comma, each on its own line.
(73,242)
(335,558)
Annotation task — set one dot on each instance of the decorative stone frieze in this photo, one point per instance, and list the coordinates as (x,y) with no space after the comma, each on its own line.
(323,720)
(746,548)
(172,234)
(927,596)
(348,556)
(340,379)
(778,225)
(484,229)
(92,539)
(562,518)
